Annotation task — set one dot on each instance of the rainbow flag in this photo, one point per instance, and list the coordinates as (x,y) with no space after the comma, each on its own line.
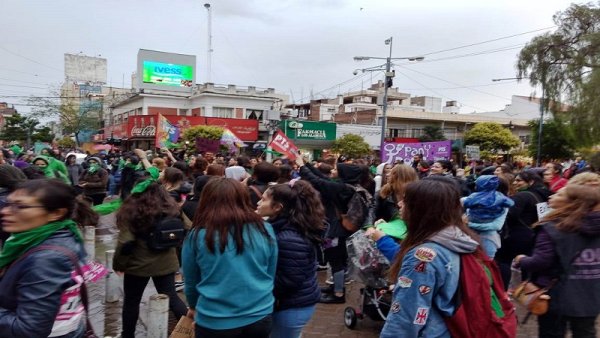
(166,133)
(229,138)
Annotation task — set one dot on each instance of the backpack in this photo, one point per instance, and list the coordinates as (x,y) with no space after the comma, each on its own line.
(358,209)
(474,315)
(167,232)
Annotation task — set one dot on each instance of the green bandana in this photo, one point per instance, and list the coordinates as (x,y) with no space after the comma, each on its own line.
(133,166)
(108,207)
(142,186)
(19,243)
(93,168)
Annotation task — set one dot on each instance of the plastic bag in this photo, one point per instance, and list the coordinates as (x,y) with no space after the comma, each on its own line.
(366,263)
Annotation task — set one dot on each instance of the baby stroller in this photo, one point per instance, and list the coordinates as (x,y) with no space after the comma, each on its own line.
(368,266)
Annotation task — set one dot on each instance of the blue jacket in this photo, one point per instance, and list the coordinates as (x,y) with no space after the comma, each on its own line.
(426,285)
(296,277)
(486,204)
(226,289)
(31,290)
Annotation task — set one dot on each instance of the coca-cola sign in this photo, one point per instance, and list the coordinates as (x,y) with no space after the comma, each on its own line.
(147,131)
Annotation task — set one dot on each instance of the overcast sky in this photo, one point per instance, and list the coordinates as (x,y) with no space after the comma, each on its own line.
(294,46)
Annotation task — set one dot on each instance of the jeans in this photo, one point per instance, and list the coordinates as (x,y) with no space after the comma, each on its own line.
(289,323)
(552,325)
(134,287)
(337,258)
(259,329)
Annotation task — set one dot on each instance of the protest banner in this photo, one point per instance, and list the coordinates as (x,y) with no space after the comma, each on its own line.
(432,151)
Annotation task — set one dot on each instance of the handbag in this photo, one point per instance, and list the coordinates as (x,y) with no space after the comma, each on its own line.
(89,330)
(184,329)
(532,297)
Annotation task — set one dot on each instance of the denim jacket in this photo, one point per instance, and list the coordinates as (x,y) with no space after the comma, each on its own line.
(425,286)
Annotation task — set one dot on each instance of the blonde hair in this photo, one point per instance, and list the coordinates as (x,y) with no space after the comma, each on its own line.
(581,200)
(159,163)
(400,176)
(584,179)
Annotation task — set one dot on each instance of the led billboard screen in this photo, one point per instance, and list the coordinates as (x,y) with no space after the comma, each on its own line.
(165,71)
(168,74)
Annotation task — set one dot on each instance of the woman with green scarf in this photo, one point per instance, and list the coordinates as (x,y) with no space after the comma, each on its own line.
(51,167)
(39,286)
(94,181)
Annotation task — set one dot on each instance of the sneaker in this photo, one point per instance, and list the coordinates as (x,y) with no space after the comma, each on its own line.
(179,286)
(331,298)
(347,280)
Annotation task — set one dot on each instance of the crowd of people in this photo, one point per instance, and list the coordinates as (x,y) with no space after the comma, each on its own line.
(258,231)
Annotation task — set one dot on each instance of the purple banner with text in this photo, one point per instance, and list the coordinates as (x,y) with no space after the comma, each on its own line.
(404,152)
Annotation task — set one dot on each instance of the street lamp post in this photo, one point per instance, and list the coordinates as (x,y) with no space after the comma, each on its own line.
(538,161)
(209,42)
(388,76)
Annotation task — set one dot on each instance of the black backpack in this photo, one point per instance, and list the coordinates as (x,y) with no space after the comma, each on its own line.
(358,209)
(168,232)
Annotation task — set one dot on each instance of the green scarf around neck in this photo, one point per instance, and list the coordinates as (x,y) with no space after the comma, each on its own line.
(19,243)
(94,168)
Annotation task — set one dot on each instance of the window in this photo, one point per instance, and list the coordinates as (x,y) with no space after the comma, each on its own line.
(223,112)
(182,112)
(254,114)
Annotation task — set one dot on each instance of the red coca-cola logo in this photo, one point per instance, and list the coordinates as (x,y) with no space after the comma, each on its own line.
(143,131)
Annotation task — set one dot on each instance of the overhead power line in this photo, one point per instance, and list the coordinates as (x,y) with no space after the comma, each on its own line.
(454,83)
(487,41)
(29,59)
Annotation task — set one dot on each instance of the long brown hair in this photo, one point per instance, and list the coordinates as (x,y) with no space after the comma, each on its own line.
(225,209)
(141,210)
(400,176)
(302,206)
(581,200)
(430,205)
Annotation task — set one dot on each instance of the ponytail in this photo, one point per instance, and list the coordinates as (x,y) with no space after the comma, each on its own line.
(83,214)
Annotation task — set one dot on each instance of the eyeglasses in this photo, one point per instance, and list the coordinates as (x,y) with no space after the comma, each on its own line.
(16,207)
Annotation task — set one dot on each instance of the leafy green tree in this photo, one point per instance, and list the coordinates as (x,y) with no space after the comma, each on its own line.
(72,117)
(43,134)
(351,145)
(25,129)
(66,142)
(207,132)
(566,64)
(492,137)
(431,134)
(558,140)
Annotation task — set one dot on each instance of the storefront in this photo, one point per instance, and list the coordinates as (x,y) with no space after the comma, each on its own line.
(140,131)
(309,136)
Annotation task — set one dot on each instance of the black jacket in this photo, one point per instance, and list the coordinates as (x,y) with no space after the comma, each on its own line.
(383,208)
(517,234)
(334,196)
(296,277)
